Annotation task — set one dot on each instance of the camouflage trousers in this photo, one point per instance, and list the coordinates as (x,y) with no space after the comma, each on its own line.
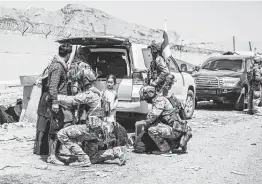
(253,94)
(164,135)
(72,138)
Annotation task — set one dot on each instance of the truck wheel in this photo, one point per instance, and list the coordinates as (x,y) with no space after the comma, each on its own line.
(189,106)
(240,103)
(217,102)
(195,103)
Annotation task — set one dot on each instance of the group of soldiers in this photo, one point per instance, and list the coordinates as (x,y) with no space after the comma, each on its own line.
(255,85)
(77,118)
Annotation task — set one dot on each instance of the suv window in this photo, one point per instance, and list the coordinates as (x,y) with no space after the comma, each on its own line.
(173,67)
(224,64)
(109,63)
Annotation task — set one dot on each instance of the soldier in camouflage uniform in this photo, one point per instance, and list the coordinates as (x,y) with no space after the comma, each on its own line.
(159,67)
(93,133)
(102,140)
(255,79)
(163,123)
(82,78)
(260,89)
(99,141)
(170,79)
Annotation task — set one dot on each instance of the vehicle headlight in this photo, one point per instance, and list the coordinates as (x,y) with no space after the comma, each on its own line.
(230,81)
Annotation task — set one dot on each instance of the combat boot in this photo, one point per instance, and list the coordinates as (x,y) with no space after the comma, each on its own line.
(252,112)
(174,145)
(159,152)
(120,152)
(82,161)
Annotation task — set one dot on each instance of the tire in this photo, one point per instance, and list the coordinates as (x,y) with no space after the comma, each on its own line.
(217,102)
(240,103)
(190,105)
(195,103)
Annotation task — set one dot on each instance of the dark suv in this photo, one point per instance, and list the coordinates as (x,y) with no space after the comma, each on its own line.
(223,79)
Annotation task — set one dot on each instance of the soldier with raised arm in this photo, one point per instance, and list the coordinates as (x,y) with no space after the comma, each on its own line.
(159,69)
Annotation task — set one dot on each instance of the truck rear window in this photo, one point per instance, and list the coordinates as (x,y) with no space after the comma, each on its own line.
(224,64)
(105,61)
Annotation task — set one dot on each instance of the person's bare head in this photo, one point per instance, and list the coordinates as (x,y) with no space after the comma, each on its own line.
(65,51)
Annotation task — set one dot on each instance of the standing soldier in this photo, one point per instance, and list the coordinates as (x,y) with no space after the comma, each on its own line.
(82,78)
(260,89)
(255,79)
(159,67)
(89,95)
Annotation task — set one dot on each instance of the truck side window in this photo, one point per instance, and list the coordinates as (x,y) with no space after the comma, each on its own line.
(173,67)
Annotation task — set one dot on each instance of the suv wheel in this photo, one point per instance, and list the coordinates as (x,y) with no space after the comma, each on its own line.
(217,102)
(241,101)
(190,105)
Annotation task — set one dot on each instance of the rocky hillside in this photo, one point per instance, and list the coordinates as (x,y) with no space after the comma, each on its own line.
(79,20)
(76,20)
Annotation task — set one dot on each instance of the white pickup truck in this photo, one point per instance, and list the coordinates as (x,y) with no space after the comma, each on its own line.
(128,61)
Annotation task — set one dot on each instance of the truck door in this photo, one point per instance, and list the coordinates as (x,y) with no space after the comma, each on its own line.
(178,89)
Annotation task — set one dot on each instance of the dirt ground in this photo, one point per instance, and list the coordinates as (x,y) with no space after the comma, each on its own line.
(225,148)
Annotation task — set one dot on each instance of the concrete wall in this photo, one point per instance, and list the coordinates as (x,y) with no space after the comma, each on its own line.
(31,97)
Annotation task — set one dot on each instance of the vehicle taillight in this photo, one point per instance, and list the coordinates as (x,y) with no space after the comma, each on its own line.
(135,99)
(138,78)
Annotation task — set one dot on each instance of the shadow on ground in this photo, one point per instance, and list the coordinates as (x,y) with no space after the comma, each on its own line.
(214,107)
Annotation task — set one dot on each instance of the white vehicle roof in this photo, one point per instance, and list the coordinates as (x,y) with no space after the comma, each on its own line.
(246,53)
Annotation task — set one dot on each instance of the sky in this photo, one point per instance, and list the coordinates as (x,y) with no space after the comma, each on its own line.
(207,20)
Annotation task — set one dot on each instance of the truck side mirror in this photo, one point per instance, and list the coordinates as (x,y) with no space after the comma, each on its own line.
(196,68)
(183,67)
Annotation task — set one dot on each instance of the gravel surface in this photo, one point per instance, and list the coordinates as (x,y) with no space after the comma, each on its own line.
(225,148)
